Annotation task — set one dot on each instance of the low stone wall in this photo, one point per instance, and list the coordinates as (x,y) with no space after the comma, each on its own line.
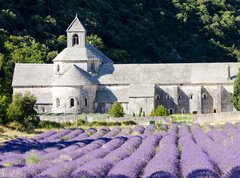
(90,118)
(222,117)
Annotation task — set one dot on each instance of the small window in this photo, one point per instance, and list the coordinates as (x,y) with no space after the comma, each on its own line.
(204,96)
(75,40)
(179,97)
(86,102)
(157,96)
(43,109)
(191,96)
(167,96)
(170,111)
(214,111)
(58,68)
(183,111)
(71,102)
(58,102)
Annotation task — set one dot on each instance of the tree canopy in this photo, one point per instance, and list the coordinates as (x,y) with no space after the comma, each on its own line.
(128,31)
(235,96)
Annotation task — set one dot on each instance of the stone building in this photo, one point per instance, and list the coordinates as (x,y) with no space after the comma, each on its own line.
(84,80)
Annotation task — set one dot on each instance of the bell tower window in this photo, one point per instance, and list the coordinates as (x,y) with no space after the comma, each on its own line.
(75,40)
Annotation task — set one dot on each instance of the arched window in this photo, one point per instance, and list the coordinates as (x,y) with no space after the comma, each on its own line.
(75,39)
(170,111)
(167,96)
(157,96)
(183,111)
(86,102)
(58,68)
(204,96)
(179,97)
(191,96)
(71,102)
(58,102)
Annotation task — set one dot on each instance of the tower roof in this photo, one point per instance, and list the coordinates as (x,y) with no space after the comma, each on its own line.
(76,26)
(75,77)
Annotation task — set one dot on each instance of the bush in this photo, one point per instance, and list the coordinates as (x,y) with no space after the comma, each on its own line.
(134,115)
(160,111)
(3,109)
(21,110)
(80,122)
(235,96)
(50,125)
(116,110)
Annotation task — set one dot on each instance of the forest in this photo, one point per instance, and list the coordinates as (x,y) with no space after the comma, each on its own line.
(127,31)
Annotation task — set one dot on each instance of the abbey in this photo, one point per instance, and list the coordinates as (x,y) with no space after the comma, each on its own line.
(84,80)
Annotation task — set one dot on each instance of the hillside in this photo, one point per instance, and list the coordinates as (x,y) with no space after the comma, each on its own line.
(128,31)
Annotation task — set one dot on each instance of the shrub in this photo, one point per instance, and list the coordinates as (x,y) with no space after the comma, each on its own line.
(143,114)
(3,109)
(22,110)
(235,96)
(116,110)
(134,114)
(80,122)
(160,111)
(50,125)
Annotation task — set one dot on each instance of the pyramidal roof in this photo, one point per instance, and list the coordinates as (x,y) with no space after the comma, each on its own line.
(75,77)
(76,26)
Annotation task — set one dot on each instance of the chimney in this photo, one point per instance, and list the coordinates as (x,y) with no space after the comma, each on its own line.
(228,72)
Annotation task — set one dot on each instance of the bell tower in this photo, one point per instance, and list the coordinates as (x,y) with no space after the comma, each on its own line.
(76,34)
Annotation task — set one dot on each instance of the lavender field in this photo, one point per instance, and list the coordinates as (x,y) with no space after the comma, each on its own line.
(178,151)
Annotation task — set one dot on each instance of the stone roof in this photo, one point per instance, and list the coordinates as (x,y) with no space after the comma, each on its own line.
(141,90)
(77,53)
(184,73)
(110,96)
(76,26)
(33,75)
(75,77)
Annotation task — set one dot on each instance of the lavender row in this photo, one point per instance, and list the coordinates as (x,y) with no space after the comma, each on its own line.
(194,162)
(226,160)
(100,167)
(133,165)
(164,163)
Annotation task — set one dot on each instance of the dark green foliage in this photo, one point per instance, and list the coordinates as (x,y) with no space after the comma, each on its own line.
(235,96)
(3,109)
(143,114)
(156,31)
(134,114)
(50,125)
(159,111)
(21,110)
(80,122)
(116,110)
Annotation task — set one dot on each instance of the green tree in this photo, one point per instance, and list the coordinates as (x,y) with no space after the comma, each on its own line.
(152,113)
(3,109)
(116,110)
(22,110)
(235,96)
(159,111)
(95,41)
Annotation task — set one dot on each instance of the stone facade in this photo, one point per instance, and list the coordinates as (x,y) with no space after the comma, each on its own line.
(83,80)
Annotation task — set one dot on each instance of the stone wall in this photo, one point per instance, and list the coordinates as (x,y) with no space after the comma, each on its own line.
(217,118)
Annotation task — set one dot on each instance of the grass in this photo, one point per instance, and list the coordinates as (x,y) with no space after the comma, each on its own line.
(182,118)
(32,159)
